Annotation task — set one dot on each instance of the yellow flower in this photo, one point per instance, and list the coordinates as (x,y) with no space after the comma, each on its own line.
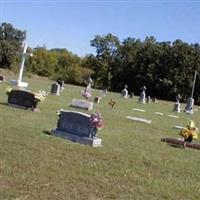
(40,95)
(190,131)
(8,90)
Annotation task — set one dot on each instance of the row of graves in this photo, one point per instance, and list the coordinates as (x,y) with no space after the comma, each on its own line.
(143,98)
(188,133)
(80,127)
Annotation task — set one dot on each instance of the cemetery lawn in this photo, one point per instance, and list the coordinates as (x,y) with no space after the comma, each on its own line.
(131,164)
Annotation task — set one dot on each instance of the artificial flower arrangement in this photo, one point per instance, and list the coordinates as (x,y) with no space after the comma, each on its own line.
(96,121)
(190,132)
(41,95)
(8,90)
(86,94)
(112,103)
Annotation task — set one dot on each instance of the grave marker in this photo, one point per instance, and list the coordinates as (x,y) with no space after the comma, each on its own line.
(76,127)
(22,99)
(83,104)
(2,78)
(55,89)
(139,110)
(19,82)
(139,119)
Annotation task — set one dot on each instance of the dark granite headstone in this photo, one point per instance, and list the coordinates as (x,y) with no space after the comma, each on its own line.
(2,78)
(55,89)
(22,98)
(76,126)
(75,123)
(97,99)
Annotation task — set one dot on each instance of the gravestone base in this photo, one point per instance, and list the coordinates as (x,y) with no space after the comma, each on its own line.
(94,142)
(23,107)
(189,111)
(143,101)
(19,83)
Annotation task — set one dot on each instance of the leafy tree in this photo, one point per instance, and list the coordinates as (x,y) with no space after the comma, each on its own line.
(106,50)
(10,44)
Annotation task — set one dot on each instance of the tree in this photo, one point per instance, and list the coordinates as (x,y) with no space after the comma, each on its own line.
(10,43)
(106,49)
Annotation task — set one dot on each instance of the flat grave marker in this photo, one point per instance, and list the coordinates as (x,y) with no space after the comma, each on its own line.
(173,116)
(139,119)
(82,104)
(158,113)
(139,110)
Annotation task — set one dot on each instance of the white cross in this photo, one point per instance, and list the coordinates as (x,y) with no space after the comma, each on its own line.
(24,55)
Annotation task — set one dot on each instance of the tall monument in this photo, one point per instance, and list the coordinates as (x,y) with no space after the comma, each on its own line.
(19,82)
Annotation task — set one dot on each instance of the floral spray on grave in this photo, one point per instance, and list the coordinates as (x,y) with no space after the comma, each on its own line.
(189,133)
(87,92)
(96,121)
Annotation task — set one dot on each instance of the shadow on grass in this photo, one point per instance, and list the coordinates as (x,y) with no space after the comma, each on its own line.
(176,146)
(47,132)
(4,104)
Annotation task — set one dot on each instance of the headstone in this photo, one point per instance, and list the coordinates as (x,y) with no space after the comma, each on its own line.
(87,92)
(2,78)
(19,82)
(142,98)
(23,99)
(97,99)
(55,89)
(76,127)
(148,99)
(154,100)
(61,83)
(189,106)
(131,95)
(104,92)
(83,104)
(177,105)
(125,92)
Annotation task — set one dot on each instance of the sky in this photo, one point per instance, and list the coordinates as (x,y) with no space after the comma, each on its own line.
(73,24)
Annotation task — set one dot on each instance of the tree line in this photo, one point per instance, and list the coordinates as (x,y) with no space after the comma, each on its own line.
(165,68)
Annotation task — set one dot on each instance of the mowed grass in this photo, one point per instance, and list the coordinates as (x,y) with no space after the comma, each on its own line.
(131,164)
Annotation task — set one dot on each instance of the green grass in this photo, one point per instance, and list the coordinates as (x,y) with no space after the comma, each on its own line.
(132,164)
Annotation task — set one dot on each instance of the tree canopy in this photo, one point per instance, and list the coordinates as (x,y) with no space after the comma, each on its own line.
(166,68)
